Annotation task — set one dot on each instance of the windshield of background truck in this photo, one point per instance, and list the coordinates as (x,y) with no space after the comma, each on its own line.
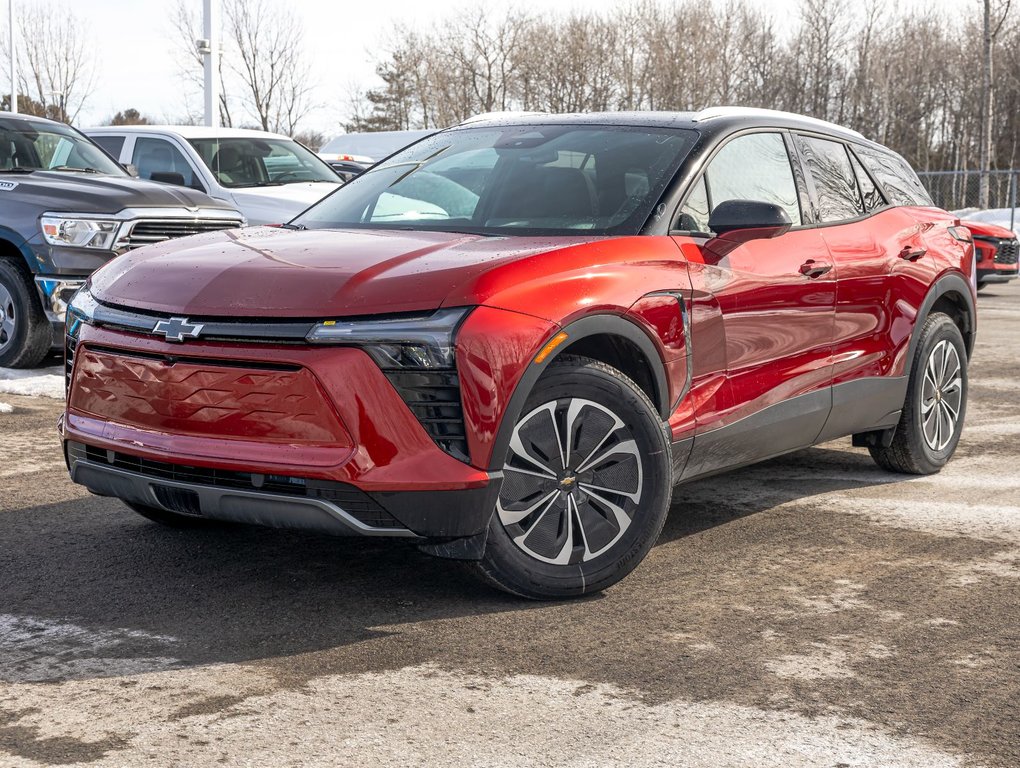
(258,162)
(50,146)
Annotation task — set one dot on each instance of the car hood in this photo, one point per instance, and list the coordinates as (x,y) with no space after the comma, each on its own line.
(67,192)
(276,272)
(278,205)
(987,229)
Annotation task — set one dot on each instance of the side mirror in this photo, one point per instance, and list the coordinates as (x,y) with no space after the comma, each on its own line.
(132,169)
(739,221)
(167,177)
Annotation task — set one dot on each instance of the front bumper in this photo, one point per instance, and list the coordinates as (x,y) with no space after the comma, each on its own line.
(55,293)
(334,508)
(231,427)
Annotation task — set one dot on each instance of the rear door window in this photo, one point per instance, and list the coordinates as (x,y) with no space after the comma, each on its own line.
(893,173)
(872,195)
(754,167)
(837,195)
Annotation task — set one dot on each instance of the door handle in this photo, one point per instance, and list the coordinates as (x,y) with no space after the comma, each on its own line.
(812,268)
(912,254)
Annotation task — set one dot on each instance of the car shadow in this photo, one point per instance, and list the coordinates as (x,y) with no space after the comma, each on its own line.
(91,589)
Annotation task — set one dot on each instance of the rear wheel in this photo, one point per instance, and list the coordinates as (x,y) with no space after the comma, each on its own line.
(586,485)
(933,414)
(25,333)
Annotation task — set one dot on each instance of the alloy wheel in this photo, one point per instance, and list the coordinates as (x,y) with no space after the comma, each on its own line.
(572,483)
(941,395)
(8,318)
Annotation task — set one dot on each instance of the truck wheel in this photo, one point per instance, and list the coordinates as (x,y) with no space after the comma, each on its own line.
(587,482)
(929,428)
(25,332)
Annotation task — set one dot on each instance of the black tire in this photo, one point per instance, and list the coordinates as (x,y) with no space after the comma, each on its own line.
(912,451)
(170,519)
(617,455)
(25,332)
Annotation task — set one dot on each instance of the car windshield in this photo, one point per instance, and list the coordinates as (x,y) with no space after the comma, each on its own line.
(258,162)
(39,146)
(536,179)
(374,146)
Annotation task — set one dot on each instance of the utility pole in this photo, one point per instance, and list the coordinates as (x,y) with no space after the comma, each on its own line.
(209,47)
(14,62)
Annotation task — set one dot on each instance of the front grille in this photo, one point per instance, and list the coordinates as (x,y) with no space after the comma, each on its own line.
(434,398)
(1007,252)
(350,499)
(148,231)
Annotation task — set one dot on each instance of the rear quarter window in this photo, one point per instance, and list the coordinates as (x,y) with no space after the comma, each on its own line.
(893,173)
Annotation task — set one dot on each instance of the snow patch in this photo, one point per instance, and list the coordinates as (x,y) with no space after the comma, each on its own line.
(38,650)
(6,408)
(41,382)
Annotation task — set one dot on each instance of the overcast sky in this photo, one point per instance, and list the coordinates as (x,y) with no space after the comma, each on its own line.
(136,66)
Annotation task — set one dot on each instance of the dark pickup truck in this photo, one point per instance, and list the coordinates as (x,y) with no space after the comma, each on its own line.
(66,208)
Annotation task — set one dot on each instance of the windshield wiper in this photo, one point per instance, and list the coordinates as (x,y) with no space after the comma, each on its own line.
(72,168)
(18,169)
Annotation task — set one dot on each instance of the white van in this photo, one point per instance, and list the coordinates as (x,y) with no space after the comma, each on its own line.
(270,178)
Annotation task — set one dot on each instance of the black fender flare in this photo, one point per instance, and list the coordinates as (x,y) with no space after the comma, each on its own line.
(593,325)
(952,282)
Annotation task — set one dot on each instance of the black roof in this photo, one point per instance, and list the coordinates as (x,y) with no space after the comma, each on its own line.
(715,120)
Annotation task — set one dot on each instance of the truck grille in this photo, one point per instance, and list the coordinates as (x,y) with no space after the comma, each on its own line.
(1007,252)
(148,231)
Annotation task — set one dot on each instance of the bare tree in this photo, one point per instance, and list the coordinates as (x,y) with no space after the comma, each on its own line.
(267,55)
(186,26)
(993,21)
(56,60)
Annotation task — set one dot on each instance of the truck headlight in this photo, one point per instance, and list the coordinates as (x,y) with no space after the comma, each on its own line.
(419,341)
(95,234)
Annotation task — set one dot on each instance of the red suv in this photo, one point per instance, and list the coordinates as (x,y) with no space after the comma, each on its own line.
(996,250)
(510,340)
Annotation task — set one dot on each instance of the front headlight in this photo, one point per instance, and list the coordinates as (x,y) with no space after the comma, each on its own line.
(420,341)
(81,308)
(95,234)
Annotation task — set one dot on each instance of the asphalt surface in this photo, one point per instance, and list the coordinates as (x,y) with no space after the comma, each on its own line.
(812,610)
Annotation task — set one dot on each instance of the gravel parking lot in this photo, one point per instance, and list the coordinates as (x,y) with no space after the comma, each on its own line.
(812,610)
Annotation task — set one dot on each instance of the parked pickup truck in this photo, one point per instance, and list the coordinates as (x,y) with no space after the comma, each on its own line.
(66,208)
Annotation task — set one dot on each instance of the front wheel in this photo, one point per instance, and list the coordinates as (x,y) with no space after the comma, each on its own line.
(932,419)
(25,333)
(587,480)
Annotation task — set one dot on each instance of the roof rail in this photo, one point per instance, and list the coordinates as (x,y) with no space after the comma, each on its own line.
(714,112)
(496,116)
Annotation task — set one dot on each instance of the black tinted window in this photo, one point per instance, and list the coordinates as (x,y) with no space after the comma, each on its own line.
(873,199)
(694,212)
(838,197)
(754,167)
(898,178)
(112,144)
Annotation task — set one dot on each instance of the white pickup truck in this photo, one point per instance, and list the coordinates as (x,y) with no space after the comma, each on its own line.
(269,177)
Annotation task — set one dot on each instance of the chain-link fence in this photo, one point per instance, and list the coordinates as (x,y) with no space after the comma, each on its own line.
(955,190)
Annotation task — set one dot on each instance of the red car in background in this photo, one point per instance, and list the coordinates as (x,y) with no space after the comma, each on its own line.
(510,340)
(996,250)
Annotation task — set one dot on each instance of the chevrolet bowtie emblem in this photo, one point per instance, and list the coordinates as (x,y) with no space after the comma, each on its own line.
(177,329)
